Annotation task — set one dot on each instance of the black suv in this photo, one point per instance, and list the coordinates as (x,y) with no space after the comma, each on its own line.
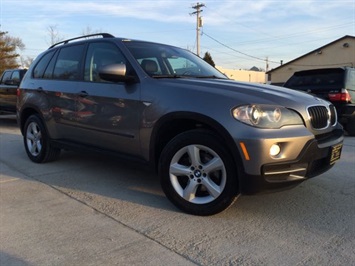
(208,137)
(336,85)
(9,82)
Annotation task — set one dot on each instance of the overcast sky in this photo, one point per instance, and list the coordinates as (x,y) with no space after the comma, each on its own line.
(238,34)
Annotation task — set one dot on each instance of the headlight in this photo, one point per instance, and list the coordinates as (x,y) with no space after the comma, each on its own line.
(266,116)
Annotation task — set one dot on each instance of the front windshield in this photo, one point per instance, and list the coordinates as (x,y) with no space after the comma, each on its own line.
(159,60)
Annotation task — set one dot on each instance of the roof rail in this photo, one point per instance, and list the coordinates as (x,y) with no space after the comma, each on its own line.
(104,35)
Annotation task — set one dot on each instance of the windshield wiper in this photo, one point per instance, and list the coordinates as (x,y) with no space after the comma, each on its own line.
(209,77)
(185,76)
(166,76)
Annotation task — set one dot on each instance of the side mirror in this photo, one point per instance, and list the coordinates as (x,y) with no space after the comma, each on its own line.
(115,73)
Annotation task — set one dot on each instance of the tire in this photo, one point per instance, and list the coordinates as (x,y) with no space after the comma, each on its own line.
(197,174)
(37,142)
(350,126)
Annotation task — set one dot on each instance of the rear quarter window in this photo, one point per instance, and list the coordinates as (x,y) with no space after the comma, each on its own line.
(39,69)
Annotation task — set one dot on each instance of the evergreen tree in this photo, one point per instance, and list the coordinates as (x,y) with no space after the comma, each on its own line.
(208,58)
(8,54)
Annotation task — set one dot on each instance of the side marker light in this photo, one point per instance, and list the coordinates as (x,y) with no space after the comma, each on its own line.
(245,151)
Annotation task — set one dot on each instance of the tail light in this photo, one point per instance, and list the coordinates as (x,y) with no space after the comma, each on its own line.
(17,92)
(342,96)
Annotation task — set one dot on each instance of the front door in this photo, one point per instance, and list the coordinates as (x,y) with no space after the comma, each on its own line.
(107,113)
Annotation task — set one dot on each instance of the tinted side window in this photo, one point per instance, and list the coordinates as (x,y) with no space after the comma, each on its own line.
(16,76)
(42,64)
(67,66)
(319,80)
(101,54)
(6,77)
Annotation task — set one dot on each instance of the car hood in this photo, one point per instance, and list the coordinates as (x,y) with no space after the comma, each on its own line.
(242,93)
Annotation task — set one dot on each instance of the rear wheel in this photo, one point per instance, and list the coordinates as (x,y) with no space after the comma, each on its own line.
(197,173)
(37,144)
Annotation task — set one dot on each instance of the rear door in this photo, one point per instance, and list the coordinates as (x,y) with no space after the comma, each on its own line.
(56,80)
(66,77)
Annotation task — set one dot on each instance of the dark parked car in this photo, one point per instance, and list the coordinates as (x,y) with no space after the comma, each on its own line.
(208,137)
(9,82)
(336,85)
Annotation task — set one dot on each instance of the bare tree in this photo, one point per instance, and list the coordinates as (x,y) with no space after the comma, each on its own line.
(54,35)
(26,61)
(88,30)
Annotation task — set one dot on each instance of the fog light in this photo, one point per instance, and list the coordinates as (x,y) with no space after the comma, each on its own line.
(275,150)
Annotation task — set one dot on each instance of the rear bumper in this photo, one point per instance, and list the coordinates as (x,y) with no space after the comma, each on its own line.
(316,157)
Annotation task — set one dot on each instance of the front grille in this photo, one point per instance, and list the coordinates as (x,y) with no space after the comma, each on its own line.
(319,116)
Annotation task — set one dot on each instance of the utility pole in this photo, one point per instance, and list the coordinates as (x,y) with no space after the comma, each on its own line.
(198,24)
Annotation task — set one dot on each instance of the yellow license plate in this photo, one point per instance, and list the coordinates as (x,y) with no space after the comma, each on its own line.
(335,153)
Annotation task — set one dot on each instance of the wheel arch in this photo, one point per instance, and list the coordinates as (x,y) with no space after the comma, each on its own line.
(175,123)
(25,113)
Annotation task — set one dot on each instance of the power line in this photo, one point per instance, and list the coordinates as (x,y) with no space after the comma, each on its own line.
(251,56)
(268,61)
(272,37)
(299,34)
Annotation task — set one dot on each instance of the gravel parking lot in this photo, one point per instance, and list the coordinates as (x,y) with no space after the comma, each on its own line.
(86,209)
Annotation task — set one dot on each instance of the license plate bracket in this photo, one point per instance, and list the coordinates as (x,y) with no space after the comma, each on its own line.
(335,153)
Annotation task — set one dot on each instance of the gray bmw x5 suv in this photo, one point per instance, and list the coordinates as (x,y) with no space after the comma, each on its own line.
(208,137)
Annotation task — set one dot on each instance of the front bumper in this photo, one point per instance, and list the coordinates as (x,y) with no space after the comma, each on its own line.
(314,157)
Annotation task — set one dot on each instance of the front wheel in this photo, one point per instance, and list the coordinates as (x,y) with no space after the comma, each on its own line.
(36,140)
(197,173)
